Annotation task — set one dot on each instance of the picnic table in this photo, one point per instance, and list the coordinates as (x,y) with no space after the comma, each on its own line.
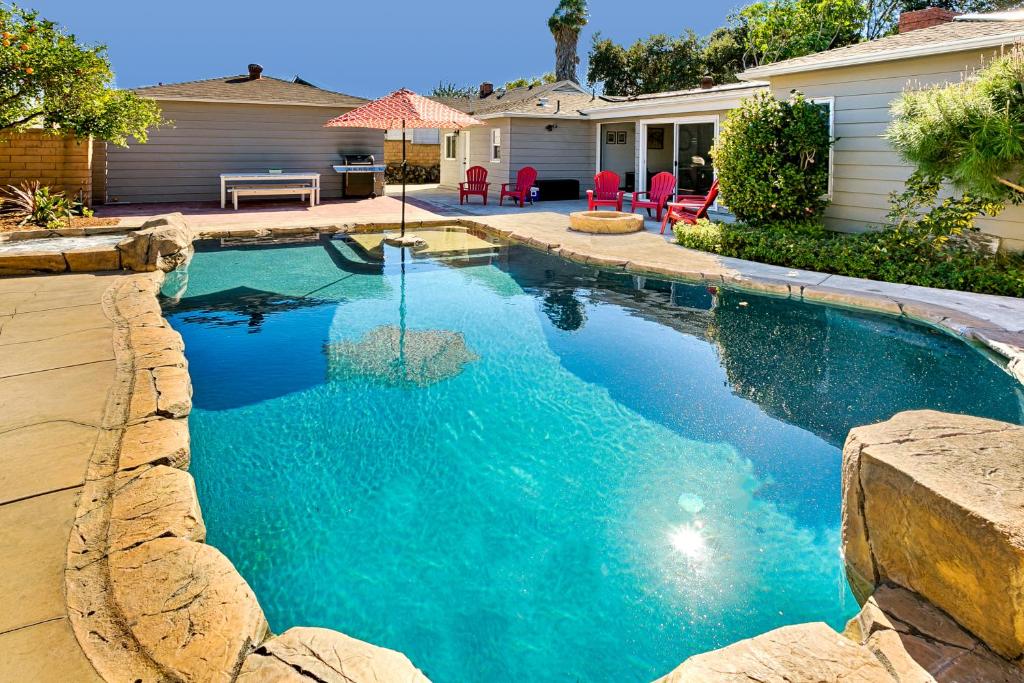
(275,183)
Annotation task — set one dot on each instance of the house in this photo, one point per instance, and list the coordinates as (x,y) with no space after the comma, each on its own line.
(566,132)
(861,82)
(233,124)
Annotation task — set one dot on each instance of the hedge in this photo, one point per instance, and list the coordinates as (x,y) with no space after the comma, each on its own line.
(872,255)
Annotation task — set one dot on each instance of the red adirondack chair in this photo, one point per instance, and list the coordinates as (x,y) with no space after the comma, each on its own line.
(519,190)
(606,191)
(663,186)
(476,184)
(690,207)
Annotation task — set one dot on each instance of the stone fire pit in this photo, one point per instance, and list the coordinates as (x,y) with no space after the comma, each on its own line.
(605,222)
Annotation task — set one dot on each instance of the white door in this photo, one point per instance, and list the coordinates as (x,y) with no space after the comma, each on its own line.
(464,138)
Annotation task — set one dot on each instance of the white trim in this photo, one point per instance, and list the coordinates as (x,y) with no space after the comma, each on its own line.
(494,142)
(837,61)
(722,100)
(831,102)
(455,147)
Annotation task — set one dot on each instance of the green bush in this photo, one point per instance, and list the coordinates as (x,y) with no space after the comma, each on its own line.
(37,205)
(772,160)
(891,255)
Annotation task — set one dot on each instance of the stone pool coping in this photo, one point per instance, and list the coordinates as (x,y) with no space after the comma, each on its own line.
(148,600)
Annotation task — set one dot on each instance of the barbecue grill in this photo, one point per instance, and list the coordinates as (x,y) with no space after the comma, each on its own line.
(357,175)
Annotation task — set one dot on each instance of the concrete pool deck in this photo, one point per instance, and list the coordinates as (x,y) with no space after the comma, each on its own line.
(57,370)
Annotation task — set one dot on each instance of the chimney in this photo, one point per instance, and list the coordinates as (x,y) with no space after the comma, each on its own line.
(486,89)
(924,18)
(707,83)
(255,71)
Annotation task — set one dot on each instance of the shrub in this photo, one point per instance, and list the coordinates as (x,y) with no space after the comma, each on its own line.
(772,160)
(37,205)
(910,257)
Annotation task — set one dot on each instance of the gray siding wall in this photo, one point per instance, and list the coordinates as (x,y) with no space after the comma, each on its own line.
(865,167)
(568,151)
(182,161)
(480,152)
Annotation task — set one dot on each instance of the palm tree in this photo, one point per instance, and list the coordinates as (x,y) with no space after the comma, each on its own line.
(568,19)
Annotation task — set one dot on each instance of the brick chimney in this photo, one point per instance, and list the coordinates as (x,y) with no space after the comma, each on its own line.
(925,18)
(255,72)
(486,89)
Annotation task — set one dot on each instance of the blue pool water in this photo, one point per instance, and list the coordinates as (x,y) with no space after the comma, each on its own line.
(515,468)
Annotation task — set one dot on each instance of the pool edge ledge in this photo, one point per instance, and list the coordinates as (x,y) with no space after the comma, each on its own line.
(147,598)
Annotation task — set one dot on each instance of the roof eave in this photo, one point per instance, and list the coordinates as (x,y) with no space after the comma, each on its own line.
(781,69)
(219,100)
(724,99)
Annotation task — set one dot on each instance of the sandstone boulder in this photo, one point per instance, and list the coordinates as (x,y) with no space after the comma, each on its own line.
(187,607)
(174,391)
(919,643)
(935,503)
(93,259)
(155,442)
(163,243)
(317,654)
(153,503)
(806,653)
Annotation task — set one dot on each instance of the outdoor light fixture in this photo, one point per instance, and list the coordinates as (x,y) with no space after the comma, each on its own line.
(550,127)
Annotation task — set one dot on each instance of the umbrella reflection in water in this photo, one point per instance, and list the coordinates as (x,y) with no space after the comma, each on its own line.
(398,357)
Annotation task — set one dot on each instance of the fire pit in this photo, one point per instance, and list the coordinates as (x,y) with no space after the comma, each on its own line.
(605,222)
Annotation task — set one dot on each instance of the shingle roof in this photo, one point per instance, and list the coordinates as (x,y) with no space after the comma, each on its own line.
(563,99)
(948,37)
(241,88)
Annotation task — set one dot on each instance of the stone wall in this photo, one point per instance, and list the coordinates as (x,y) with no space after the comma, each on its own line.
(417,155)
(62,162)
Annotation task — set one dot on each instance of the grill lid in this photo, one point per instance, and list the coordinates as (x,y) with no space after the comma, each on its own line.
(357,160)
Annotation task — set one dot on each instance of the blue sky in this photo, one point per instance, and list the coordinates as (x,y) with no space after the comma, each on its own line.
(364,47)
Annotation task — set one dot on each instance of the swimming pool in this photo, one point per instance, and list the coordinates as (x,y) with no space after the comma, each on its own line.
(512,467)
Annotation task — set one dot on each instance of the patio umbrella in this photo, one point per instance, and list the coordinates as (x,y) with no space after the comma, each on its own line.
(404,109)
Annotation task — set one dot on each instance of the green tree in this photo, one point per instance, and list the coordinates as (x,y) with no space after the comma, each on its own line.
(531,81)
(450,89)
(657,63)
(723,53)
(49,79)
(968,134)
(565,24)
(772,160)
(782,29)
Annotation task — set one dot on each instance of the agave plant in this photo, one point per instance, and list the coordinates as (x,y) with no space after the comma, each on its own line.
(36,204)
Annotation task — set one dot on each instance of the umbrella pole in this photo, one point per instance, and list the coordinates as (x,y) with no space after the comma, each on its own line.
(404,167)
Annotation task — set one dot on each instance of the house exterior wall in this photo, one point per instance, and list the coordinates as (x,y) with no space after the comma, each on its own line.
(480,152)
(61,162)
(182,161)
(567,151)
(865,167)
(99,171)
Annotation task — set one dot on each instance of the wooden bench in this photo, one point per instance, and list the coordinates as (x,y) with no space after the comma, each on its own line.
(300,189)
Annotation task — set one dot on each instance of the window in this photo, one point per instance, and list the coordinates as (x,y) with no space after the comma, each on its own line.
(827,105)
(495,144)
(450,146)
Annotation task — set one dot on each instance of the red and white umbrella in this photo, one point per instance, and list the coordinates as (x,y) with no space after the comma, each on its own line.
(404,109)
